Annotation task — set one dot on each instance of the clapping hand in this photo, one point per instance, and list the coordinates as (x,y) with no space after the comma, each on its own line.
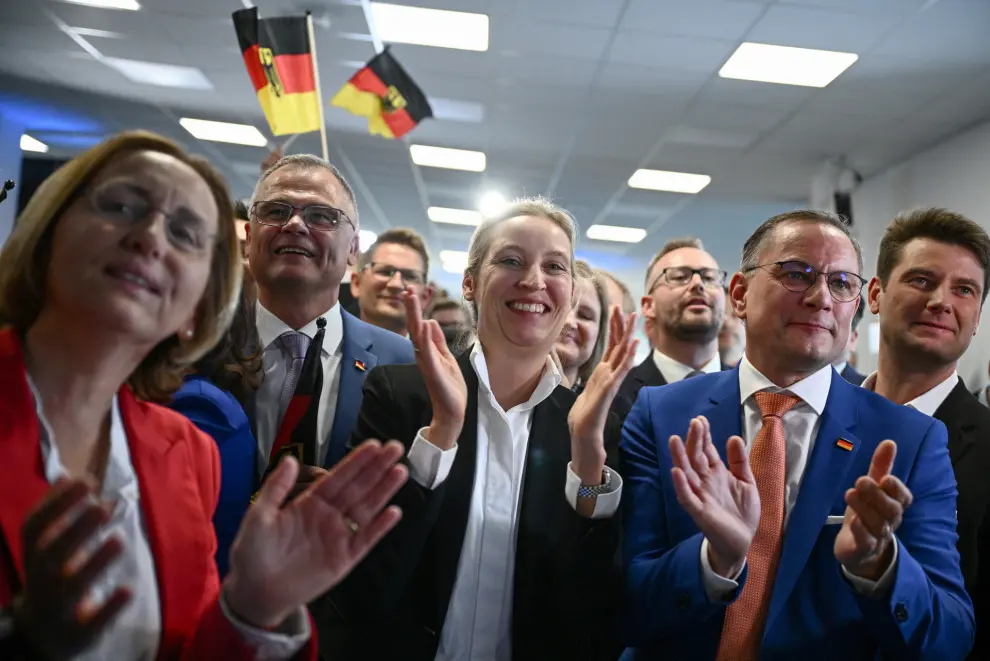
(444,381)
(586,420)
(53,611)
(723,501)
(286,555)
(875,509)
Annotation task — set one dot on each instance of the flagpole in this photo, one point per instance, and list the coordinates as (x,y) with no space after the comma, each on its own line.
(316,80)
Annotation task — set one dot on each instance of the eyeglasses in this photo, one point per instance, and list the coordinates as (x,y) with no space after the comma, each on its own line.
(126,205)
(387,272)
(316,216)
(678,276)
(799,276)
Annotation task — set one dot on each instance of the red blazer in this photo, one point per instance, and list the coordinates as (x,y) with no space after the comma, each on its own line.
(178,471)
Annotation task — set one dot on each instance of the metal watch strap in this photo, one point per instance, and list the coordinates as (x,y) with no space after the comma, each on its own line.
(585,491)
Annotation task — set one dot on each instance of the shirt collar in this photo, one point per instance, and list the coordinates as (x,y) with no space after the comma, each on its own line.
(840,367)
(927,402)
(812,389)
(271,327)
(674,371)
(550,378)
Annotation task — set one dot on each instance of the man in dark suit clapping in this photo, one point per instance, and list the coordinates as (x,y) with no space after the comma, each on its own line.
(933,272)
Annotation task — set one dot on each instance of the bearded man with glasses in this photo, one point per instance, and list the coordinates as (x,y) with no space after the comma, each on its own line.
(683,308)
(302,236)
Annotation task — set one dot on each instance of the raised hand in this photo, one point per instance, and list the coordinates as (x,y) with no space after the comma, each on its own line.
(286,555)
(723,502)
(586,420)
(875,509)
(60,566)
(444,381)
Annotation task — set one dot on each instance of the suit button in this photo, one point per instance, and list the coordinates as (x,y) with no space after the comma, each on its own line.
(900,613)
(683,602)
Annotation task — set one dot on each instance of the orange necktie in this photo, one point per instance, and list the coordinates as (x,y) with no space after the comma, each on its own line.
(742,631)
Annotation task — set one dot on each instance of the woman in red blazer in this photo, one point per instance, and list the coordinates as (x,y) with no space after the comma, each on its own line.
(122,271)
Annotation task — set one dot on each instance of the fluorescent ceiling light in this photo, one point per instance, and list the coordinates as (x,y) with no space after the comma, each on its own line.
(491,203)
(786,65)
(674,182)
(616,233)
(366,238)
(90,32)
(454,110)
(238,134)
(454,261)
(162,75)
(108,4)
(454,216)
(30,144)
(452,159)
(399,24)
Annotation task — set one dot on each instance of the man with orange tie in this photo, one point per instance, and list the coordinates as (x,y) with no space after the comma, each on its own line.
(801,517)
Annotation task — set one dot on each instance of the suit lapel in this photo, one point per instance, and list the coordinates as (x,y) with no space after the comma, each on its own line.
(825,477)
(356,361)
(952,413)
(448,535)
(22,477)
(648,374)
(725,411)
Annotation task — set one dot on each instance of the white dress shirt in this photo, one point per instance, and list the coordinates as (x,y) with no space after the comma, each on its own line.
(135,633)
(927,402)
(267,413)
(801,425)
(674,371)
(478,626)
(981,396)
(839,367)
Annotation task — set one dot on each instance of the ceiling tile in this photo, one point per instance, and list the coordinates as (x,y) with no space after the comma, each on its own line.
(807,27)
(698,18)
(692,53)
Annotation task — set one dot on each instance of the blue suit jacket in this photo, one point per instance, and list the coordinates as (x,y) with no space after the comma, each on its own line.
(218,414)
(850,374)
(363,347)
(814,612)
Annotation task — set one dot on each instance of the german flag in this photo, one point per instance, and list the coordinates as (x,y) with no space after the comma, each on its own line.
(297,434)
(384,93)
(277,56)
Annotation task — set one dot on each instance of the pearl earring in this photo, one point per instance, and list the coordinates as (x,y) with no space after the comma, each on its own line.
(189,333)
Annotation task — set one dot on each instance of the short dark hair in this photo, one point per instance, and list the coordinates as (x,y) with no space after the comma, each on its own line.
(241,211)
(445,304)
(402,236)
(669,247)
(858,314)
(758,239)
(936,224)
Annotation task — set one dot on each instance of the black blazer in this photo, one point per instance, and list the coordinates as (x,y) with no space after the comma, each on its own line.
(968,424)
(394,604)
(850,374)
(644,374)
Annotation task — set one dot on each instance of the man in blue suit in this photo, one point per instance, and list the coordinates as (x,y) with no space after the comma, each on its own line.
(302,236)
(787,527)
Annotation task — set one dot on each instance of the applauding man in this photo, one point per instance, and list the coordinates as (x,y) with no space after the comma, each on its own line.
(788,526)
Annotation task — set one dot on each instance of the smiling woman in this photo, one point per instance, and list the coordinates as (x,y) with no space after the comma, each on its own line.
(123,270)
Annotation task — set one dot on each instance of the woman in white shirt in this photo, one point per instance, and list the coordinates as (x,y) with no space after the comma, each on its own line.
(122,271)
(507,542)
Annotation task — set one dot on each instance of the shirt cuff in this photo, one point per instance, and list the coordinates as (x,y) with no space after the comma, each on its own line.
(718,588)
(606,504)
(429,466)
(269,645)
(874,588)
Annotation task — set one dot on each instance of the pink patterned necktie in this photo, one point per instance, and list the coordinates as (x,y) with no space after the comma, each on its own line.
(742,631)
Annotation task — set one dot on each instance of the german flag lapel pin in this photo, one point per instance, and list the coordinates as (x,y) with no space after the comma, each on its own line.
(843,444)
(358,364)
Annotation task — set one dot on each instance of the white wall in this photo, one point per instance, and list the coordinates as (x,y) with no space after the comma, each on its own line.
(954,174)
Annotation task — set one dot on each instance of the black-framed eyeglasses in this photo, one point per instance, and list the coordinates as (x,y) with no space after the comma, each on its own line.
(678,276)
(798,276)
(127,204)
(316,216)
(387,272)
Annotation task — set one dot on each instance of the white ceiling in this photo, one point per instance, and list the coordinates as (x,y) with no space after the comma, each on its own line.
(575,96)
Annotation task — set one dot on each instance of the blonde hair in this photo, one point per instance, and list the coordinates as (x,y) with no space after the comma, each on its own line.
(538,206)
(26,255)
(597,281)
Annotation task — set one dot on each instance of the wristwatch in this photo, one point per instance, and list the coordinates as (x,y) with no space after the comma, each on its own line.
(585,491)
